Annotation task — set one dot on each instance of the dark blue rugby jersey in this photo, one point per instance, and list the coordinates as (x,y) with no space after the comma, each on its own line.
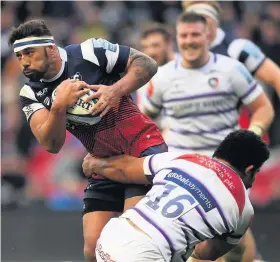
(242,50)
(96,61)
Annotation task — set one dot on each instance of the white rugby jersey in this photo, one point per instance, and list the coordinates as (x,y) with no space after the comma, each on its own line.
(193,198)
(200,105)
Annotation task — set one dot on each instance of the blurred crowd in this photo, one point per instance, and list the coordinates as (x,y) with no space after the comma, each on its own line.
(29,174)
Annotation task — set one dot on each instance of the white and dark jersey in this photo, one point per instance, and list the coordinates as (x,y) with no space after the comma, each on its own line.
(242,50)
(200,105)
(124,129)
(193,198)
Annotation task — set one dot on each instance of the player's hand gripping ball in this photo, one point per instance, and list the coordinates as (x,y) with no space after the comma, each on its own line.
(79,112)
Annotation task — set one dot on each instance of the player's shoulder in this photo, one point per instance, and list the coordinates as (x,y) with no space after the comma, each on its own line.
(226,63)
(92,50)
(27,92)
(248,207)
(167,69)
(241,49)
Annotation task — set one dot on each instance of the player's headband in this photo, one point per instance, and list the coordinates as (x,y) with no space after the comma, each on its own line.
(204,9)
(33,41)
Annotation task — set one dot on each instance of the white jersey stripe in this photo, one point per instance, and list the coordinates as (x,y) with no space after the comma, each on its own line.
(87,48)
(203,217)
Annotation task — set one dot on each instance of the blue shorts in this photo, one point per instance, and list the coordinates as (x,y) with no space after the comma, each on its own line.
(107,195)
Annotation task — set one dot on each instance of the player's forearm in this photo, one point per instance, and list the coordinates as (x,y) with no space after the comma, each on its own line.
(113,168)
(124,169)
(53,132)
(261,119)
(140,70)
(207,251)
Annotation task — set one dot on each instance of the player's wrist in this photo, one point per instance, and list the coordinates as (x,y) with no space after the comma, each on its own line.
(118,89)
(195,256)
(58,107)
(257,128)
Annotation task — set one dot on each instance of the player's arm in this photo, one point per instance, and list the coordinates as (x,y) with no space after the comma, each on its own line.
(211,249)
(124,169)
(49,127)
(269,73)
(127,169)
(252,95)
(140,69)
(117,60)
(152,102)
(256,62)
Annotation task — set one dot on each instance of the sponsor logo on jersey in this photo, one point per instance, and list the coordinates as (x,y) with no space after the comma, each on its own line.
(28,110)
(42,92)
(47,101)
(213,82)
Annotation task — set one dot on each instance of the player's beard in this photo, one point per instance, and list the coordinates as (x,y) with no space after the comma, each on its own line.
(36,75)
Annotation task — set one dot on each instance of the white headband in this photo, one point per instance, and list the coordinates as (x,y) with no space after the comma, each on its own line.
(33,41)
(204,9)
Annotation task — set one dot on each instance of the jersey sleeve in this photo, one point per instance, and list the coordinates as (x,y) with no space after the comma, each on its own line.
(153,163)
(243,224)
(112,58)
(247,53)
(153,95)
(244,85)
(28,101)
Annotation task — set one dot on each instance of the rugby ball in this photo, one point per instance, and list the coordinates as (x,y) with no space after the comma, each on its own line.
(79,112)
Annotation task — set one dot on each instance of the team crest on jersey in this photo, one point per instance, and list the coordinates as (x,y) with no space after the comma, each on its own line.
(213,82)
(77,76)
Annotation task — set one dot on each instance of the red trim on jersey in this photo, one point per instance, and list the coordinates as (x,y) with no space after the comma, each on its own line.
(150,89)
(230,179)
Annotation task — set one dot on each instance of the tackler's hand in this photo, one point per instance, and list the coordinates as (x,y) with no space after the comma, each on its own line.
(92,166)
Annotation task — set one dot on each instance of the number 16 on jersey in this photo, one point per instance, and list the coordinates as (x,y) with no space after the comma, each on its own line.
(171,200)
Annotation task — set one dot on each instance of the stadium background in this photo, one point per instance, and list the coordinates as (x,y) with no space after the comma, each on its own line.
(41,193)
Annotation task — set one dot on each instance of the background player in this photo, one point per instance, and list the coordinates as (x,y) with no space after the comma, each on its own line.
(193,198)
(95,61)
(156,42)
(243,50)
(200,92)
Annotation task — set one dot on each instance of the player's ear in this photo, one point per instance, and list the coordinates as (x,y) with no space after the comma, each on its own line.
(249,169)
(208,34)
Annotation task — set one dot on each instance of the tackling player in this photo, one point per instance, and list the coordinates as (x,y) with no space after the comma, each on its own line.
(94,64)
(201,91)
(194,199)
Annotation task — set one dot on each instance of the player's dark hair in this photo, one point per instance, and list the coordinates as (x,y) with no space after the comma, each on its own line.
(29,28)
(156,29)
(191,18)
(243,148)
